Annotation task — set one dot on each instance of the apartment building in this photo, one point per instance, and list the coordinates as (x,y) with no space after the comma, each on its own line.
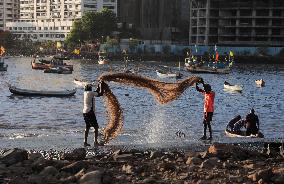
(155,19)
(237,22)
(42,20)
(9,11)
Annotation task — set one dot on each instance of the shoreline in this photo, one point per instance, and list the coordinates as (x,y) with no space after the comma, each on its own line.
(214,163)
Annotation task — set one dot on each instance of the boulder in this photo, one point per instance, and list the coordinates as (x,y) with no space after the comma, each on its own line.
(93,177)
(13,156)
(193,160)
(74,167)
(264,174)
(77,154)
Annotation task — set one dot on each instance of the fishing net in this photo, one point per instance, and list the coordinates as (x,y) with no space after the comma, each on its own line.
(162,91)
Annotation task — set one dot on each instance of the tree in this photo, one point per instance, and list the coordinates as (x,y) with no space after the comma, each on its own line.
(92,26)
(6,39)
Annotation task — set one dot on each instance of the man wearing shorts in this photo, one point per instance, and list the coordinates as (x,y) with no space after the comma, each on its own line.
(209,97)
(89,112)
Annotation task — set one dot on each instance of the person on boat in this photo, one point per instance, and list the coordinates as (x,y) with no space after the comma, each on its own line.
(252,123)
(89,112)
(209,97)
(238,126)
(230,126)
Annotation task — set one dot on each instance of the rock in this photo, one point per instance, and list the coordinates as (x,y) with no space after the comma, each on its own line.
(183,176)
(264,174)
(13,156)
(155,154)
(224,151)
(122,156)
(127,168)
(74,167)
(278,178)
(93,177)
(210,163)
(193,160)
(49,171)
(34,156)
(260,181)
(76,154)
(41,163)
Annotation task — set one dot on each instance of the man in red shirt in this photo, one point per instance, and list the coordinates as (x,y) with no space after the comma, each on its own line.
(209,96)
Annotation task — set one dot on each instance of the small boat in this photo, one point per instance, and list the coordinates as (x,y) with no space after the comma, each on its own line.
(58,61)
(243,134)
(165,74)
(208,70)
(102,58)
(28,92)
(260,83)
(38,65)
(3,66)
(58,70)
(230,87)
(81,83)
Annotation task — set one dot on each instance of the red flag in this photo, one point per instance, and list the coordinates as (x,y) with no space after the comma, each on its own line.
(217,57)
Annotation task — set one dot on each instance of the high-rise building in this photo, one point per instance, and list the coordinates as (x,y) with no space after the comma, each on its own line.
(155,19)
(52,19)
(9,11)
(237,22)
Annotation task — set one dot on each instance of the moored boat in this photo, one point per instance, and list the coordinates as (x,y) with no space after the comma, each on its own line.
(103,58)
(208,70)
(3,66)
(58,70)
(28,92)
(228,86)
(165,74)
(243,134)
(81,83)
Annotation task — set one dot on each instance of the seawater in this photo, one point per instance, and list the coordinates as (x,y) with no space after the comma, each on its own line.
(57,123)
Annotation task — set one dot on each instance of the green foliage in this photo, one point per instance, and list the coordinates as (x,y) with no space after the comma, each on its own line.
(92,26)
(6,39)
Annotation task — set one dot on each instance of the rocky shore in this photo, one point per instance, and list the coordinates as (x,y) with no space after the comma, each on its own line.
(216,163)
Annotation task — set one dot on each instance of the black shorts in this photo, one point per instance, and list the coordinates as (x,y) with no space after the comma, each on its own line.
(208,117)
(90,119)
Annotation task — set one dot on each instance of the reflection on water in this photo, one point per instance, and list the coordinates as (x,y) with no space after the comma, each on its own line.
(38,122)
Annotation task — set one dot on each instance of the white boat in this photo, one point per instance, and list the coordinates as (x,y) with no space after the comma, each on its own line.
(260,83)
(82,83)
(165,75)
(102,58)
(230,87)
(243,134)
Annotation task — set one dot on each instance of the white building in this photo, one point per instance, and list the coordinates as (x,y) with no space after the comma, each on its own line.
(9,11)
(42,20)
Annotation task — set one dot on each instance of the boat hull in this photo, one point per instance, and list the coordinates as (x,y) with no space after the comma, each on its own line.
(25,92)
(233,87)
(243,134)
(208,70)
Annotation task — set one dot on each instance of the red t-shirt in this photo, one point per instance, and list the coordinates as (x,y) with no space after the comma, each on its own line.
(209,101)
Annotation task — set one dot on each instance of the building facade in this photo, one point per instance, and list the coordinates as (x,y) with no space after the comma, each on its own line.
(42,20)
(155,19)
(9,11)
(237,22)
